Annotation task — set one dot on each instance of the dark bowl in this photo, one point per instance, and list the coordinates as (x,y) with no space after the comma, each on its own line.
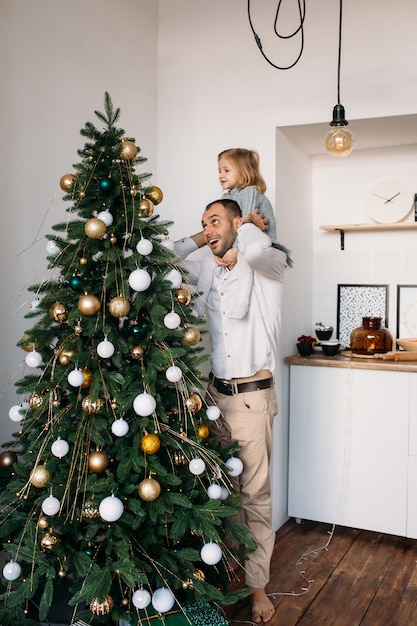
(324,335)
(330,348)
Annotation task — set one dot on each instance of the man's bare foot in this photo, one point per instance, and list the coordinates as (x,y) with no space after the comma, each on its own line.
(262,607)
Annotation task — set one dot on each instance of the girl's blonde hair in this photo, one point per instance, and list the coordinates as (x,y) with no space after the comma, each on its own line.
(247,164)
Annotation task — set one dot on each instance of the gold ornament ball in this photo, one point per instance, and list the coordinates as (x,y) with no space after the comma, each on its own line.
(119,307)
(62,573)
(90,406)
(146,208)
(58,312)
(113,238)
(35,399)
(88,377)
(190,336)
(113,404)
(102,608)
(183,296)
(89,305)
(150,443)
(203,431)
(39,476)
(83,260)
(95,228)
(43,522)
(65,356)
(193,402)
(128,151)
(125,602)
(27,345)
(48,541)
(187,584)
(149,489)
(98,461)
(155,194)
(67,182)
(7,458)
(90,511)
(78,329)
(137,352)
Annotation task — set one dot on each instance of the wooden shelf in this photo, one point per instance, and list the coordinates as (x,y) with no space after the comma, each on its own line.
(342,228)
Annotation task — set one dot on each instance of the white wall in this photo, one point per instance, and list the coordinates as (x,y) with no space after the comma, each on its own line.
(191,81)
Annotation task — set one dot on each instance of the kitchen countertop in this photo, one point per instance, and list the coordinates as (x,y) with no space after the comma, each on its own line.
(347,360)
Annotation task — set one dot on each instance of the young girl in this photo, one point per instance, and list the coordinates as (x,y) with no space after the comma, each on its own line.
(241,181)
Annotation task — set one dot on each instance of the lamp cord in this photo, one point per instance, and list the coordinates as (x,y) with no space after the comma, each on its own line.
(300,28)
(340,52)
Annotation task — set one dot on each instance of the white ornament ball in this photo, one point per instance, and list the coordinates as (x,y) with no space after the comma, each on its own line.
(167,243)
(173,374)
(211,553)
(25,405)
(172,320)
(141,598)
(225,494)
(139,280)
(235,466)
(144,404)
(120,427)
(213,412)
(12,570)
(174,277)
(111,509)
(144,246)
(15,413)
(105,349)
(196,466)
(106,217)
(50,506)
(33,359)
(52,249)
(60,448)
(214,492)
(163,600)
(76,378)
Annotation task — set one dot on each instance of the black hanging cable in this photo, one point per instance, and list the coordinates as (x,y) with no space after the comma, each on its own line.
(340,52)
(300,28)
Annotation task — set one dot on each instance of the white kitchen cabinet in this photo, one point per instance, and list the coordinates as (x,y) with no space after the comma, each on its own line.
(353,444)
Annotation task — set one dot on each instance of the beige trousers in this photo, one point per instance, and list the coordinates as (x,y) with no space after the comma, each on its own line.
(247,418)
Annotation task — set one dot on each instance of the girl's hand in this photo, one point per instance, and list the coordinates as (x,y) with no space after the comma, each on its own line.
(256,218)
(229,259)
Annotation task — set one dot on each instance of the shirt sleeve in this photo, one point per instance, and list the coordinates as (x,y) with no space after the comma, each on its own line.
(182,248)
(258,252)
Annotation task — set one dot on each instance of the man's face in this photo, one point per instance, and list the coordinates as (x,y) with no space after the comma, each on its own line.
(220,230)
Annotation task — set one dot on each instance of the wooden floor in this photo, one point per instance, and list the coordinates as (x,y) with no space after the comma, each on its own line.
(359,578)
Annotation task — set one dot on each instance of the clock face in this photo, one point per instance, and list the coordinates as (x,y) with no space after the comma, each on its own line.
(390,201)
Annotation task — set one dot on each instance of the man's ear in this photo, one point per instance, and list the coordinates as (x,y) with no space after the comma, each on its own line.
(237,221)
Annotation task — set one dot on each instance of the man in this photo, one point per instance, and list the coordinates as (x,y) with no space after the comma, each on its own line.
(243,300)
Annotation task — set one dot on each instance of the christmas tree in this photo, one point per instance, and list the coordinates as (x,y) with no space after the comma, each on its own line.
(114,488)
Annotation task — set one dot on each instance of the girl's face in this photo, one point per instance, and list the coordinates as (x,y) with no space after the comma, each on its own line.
(228,174)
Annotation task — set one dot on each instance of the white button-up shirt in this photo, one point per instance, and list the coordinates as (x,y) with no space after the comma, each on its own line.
(243,341)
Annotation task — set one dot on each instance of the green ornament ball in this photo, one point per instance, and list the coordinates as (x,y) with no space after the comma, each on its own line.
(76,283)
(106,184)
(138,331)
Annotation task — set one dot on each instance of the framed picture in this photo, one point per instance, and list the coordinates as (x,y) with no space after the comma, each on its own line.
(406,311)
(357,301)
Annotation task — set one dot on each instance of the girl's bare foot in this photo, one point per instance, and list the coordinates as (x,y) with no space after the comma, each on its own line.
(262,607)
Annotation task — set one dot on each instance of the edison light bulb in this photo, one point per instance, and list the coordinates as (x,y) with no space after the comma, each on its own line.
(339,141)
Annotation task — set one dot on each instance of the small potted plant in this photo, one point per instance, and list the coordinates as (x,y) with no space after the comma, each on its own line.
(305,344)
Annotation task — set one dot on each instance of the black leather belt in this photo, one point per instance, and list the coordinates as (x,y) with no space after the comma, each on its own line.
(231,389)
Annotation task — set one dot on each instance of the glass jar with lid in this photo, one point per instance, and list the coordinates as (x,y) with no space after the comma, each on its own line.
(370,338)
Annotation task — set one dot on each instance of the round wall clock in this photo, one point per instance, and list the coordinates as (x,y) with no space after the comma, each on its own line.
(389,201)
